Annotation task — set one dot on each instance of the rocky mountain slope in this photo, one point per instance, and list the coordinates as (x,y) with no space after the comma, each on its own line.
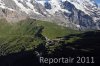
(77,14)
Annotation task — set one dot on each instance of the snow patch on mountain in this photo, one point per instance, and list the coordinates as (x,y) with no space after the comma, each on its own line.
(2,5)
(72,13)
(23,8)
(55,6)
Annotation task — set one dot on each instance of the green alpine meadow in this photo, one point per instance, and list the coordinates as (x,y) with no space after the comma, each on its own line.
(27,34)
(31,39)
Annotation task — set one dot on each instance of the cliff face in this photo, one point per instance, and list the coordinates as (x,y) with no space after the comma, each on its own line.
(83,15)
(12,15)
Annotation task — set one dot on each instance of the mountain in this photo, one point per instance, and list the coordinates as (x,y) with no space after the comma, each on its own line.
(77,14)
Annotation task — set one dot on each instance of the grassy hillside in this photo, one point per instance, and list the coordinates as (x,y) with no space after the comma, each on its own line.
(15,37)
(52,30)
(21,39)
(28,34)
